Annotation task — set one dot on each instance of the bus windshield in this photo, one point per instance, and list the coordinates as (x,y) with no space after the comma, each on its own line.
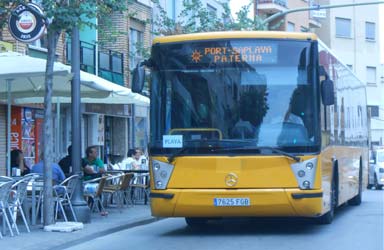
(234,93)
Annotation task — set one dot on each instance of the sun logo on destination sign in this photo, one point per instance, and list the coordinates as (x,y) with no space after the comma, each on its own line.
(196,56)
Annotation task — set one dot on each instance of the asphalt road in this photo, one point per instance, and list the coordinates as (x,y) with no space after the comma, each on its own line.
(354,228)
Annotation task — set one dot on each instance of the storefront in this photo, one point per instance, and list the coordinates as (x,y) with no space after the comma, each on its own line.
(25,134)
(115,128)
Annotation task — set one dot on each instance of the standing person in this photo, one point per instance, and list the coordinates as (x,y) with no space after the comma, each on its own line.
(57,173)
(66,162)
(18,162)
(93,166)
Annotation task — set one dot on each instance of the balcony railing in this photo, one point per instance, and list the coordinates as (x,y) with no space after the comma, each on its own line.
(271,6)
(110,63)
(279,2)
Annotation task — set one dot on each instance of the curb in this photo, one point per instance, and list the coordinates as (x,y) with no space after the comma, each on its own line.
(105,232)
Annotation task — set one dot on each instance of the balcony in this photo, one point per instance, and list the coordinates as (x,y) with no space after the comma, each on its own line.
(271,6)
(314,23)
(110,63)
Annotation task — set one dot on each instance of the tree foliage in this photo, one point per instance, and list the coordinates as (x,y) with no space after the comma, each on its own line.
(194,18)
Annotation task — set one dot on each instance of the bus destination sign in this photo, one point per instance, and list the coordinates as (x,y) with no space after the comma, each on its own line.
(260,54)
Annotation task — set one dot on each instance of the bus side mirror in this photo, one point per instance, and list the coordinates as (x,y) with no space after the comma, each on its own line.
(138,77)
(327,92)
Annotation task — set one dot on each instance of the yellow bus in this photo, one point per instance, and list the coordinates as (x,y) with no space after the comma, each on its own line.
(253,124)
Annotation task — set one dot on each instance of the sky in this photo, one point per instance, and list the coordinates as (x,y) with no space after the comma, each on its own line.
(235,5)
(381,32)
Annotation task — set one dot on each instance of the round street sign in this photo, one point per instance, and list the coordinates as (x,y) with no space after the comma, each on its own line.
(25,25)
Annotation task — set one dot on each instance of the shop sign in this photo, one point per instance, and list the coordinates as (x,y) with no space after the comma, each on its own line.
(26,25)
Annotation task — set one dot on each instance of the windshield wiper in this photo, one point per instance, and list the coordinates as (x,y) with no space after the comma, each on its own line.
(177,153)
(279,151)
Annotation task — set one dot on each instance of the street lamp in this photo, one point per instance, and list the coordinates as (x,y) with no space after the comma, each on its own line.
(81,208)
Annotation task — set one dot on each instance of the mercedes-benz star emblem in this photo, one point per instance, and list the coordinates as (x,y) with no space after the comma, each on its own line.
(231,180)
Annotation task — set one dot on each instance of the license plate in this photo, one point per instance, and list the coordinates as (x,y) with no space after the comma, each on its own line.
(231,202)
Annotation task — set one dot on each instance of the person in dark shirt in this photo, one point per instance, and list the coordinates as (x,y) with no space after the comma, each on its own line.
(18,162)
(66,163)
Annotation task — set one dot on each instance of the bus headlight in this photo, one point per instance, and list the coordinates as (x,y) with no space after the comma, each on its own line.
(161,173)
(301,173)
(305,173)
(306,184)
(309,165)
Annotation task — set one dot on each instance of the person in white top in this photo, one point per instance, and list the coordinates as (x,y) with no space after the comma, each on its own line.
(126,164)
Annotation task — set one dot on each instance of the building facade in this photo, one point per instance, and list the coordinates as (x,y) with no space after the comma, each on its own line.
(352,33)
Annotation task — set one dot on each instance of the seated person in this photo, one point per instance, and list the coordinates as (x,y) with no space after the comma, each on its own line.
(93,166)
(18,162)
(66,162)
(127,162)
(137,163)
(57,173)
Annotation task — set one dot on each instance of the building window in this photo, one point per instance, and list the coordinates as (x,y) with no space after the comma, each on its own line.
(370,29)
(374,111)
(290,27)
(136,38)
(343,27)
(371,75)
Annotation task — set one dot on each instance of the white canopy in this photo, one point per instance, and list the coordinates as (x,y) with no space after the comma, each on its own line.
(22,80)
(27,74)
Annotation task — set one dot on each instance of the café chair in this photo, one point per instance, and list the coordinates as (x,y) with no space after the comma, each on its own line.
(120,189)
(17,197)
(5,190)
(63,194)
(96,196)
(140,188)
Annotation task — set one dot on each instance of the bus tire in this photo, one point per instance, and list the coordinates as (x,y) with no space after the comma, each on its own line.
(355,201)
(196,222)
(327,218)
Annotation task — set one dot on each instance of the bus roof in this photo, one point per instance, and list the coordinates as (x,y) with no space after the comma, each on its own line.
(235,34)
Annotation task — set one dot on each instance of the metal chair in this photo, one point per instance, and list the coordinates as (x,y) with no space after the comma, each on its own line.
(140,188)
(5,190)
(18,194)
(63,195)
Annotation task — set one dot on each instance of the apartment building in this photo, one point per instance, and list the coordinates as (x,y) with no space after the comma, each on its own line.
(295,22)
(352,33)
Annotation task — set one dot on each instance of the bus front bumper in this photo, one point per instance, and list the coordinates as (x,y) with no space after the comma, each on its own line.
(263,203)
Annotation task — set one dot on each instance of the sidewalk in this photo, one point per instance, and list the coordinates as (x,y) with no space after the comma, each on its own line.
(116,220)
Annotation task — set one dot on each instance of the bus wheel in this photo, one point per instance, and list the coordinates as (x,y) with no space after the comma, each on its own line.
(327,218)
(196,222)
(355,201)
